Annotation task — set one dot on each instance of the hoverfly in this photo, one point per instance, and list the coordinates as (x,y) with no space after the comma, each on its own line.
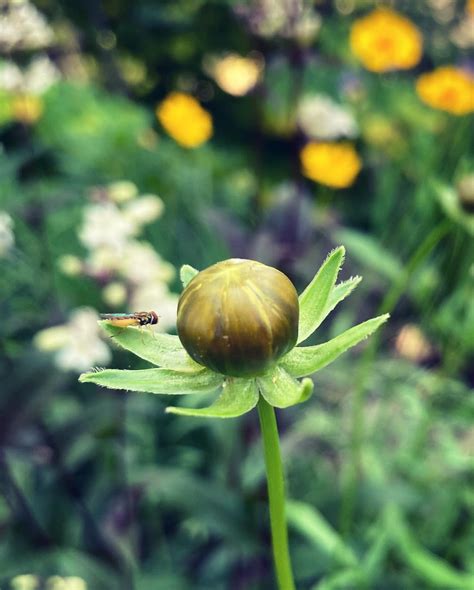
(123,320)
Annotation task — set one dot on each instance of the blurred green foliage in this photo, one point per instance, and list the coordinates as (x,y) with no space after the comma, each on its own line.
(108,488)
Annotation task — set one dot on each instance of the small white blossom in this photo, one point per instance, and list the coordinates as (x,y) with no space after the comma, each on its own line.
(78,344)
(22,26)
(462,34)
(70,265)
(11,77)
(145,209)
(104,260)
(140,264)
(321,118)
(7,238)
(121,191)
(115,294)
(25,582)
(105,225)
(40,75)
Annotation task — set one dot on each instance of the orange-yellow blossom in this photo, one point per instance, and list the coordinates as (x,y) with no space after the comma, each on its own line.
(332,164)
(447,88)
(385,40)
(184,119)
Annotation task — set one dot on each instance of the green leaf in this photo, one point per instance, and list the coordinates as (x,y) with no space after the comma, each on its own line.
(314,299)
(186,273)
(305,360)
(309,522)
(281,390)
(238,397)
(433,570)
(155,380)
(162,350)
(340,292)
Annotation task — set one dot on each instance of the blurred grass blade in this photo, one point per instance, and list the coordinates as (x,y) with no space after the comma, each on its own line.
(305,360)
(155,380)
(430,568)
(238,397)
(346,580)
(339,293)
(306,519)
(314,299)
(186,273)
(281,390)
(162,350)
(370,252)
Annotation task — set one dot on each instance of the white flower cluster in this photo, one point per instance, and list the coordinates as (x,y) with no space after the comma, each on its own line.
(36,78)
(77,344)
(132,275)
(22,27)
(7,239)
(319,117)
(290,20)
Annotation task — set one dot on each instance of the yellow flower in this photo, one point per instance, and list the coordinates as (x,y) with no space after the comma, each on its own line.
(26,108)
(447,88)
(235,74)
(385,40)
(184,119)
(332,164)
(470,7)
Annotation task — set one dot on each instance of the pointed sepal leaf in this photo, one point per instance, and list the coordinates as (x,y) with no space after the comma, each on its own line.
(163,350)
(238,397)
(305,360)
(155,380)
(314,299)
(338,293)
(280,389)
(186,273)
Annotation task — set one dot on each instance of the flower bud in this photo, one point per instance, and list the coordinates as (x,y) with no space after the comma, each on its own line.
(238,317)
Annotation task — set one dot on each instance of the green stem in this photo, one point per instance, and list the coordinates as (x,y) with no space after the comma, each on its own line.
(276,495)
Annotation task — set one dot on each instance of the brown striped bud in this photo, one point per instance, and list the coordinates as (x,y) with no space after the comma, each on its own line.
(238,317)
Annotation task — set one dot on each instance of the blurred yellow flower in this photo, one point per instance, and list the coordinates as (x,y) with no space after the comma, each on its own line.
(235,74)
(26,108)
(184,119)
(332,164)
(470,7)
(385,40)
(447,88)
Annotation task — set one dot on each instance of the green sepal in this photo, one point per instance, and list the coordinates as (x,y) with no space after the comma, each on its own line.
(314,299)
(162,350)
(280,389)
(186,273)
(306,360)
(155,380)
(238,397)
(338,293)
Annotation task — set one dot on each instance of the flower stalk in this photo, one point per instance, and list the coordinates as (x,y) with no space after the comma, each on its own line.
(276,495)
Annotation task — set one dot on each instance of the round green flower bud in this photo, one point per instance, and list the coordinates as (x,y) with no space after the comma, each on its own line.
(238,317)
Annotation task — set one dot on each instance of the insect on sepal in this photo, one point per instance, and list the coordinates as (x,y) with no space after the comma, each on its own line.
(124,320)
